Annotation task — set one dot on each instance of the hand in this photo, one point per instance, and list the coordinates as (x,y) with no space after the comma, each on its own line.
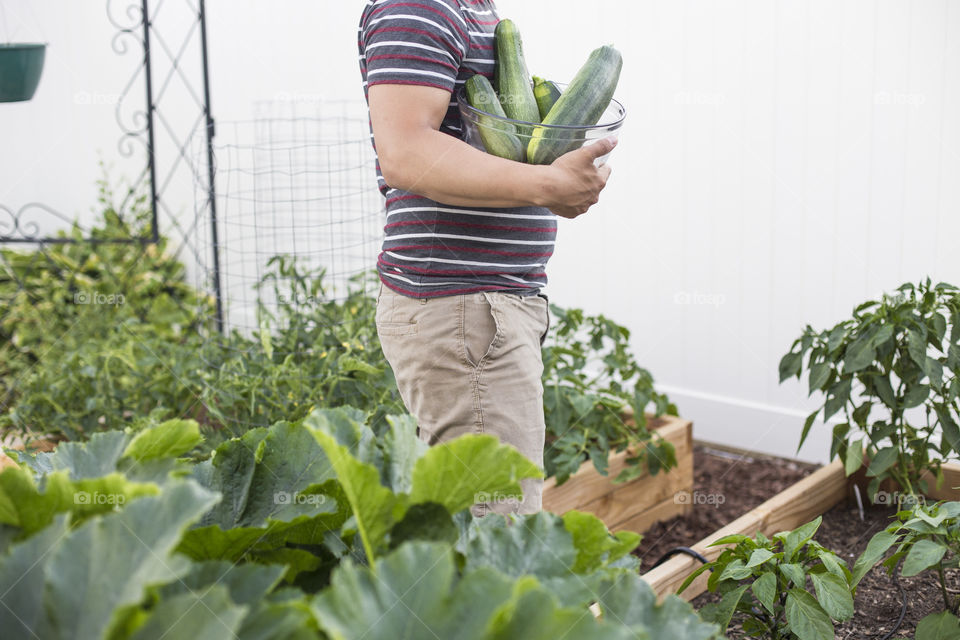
(575,182)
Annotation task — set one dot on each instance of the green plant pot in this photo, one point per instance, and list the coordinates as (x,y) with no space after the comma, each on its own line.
(20,67)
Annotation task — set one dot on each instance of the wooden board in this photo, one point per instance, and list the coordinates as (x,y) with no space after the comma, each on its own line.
(637,504)
(799,503)
(950,490)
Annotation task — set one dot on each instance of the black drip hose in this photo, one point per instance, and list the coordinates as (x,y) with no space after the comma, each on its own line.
(903,598)
(678,550)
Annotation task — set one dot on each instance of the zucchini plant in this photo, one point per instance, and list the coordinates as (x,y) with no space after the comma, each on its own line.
(891,376)
(765,585)
(308,529)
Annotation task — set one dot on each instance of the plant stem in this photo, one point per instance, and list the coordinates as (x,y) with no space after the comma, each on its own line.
(943,586)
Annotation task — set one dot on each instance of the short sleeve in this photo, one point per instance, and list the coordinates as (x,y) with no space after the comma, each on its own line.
(414,42)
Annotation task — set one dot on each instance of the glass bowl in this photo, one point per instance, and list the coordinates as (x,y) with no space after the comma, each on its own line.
(511,139)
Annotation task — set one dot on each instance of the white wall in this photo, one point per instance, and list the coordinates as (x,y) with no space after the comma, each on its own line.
(782,161)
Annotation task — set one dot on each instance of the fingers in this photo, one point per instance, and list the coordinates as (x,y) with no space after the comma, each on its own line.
(599,149)
(604,172)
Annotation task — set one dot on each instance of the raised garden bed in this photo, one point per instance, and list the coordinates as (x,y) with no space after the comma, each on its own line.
(639,503)
(799,503)
(823,491)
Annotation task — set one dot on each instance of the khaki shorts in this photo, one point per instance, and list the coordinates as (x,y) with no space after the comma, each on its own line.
(472,364)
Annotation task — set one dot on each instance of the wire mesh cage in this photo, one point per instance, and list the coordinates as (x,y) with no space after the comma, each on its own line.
(298,227)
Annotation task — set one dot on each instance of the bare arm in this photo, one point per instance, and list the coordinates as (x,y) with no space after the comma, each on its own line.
(415,156)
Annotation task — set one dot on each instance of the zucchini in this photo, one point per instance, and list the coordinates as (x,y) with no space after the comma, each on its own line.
(513,79)
(547,93)
(499,137)
(581,105)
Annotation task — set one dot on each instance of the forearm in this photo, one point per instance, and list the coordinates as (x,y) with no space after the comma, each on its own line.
(450,171)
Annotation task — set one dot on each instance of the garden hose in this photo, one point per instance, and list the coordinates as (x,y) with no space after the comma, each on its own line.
(903,598)
(677,550)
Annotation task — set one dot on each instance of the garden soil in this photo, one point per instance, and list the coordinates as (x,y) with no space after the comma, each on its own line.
(745,483)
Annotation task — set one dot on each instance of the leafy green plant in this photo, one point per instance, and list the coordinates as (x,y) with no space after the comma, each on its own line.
(893,373)
(927,538)
(309,529)
(311,349)
(590,380)
(95,335)
(764,583)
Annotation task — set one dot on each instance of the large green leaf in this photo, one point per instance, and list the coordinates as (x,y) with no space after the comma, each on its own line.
(536,545)
(208,614)
(535,615)
(264,474)
(92,459)
(628,601)
(939,626)
(402,449)
(30,507)
(595,544)
(412,594)
(247,583)
(923,554)
(99,568)
(876,549)
(166,440)
(765,590)
(884,459)
(834,595)
(22,574)
(806,618)
(375,508)
(455,472)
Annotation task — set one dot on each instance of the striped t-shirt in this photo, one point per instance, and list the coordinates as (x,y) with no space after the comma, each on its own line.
(433,249)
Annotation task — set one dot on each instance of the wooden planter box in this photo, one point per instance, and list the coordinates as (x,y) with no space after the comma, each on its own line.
(638,504)
(792,507)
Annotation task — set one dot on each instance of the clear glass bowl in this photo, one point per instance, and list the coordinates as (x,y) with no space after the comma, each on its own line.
(511,139)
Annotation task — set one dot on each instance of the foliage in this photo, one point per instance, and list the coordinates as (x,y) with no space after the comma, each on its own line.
(584,411)
(764,582)
(271,537)
(95,333)
(927,538)
(311,349)
(147,360)
(898,356)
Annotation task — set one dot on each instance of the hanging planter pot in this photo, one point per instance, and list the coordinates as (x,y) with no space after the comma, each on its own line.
(20,67)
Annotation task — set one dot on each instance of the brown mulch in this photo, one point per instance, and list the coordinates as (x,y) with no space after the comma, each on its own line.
(726,486)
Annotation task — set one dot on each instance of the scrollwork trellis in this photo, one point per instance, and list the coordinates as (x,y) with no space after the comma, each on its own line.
(136,31)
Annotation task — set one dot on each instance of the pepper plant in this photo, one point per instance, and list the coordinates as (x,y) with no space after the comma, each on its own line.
(927,538)
(764,583)
(892,375)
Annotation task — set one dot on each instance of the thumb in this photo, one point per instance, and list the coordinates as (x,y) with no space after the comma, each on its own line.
(599,149)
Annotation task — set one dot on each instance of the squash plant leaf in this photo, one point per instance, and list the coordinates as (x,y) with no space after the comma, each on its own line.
(168,439)
(628,600)
(456,472)
(102,566)
(412,593)
(595,544)
(205,614)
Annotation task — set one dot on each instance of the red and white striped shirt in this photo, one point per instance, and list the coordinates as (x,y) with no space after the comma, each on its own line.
(432,249)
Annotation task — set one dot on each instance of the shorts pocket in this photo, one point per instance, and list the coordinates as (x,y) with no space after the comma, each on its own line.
(398,328)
